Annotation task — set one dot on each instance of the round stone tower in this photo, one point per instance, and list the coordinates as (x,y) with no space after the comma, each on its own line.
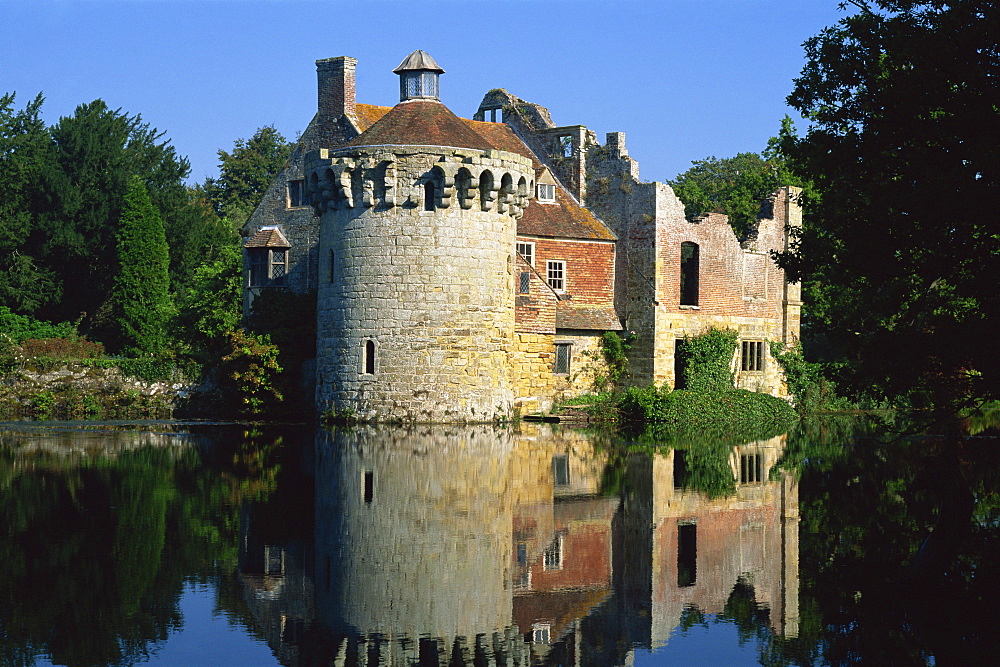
(415,317)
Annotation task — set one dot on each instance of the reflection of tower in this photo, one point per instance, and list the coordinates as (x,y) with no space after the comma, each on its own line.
(412,543)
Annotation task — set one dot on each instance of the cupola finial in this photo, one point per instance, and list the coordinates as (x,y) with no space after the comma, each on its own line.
(418,77)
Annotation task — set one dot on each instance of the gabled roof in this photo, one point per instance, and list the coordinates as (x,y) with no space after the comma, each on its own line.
(565,218)
(268,237)
(421,123)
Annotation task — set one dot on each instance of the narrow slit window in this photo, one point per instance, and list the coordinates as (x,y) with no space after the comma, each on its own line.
(370,357)
(429,196)
(369,486)
(333,264)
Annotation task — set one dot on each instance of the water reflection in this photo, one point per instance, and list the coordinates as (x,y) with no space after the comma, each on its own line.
(390,546)
(490,547)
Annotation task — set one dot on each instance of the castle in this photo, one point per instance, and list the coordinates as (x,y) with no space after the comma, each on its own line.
(466,270)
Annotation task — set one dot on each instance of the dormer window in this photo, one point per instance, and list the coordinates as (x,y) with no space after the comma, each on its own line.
(546,193)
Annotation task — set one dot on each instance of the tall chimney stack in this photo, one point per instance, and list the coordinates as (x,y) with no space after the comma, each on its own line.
(336,85)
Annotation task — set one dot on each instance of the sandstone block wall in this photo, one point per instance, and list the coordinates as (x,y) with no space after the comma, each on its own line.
(431,291)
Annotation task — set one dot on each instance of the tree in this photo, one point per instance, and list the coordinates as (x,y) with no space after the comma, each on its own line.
(142,285)
(904,235)
(738,186)
(78,202)
(25,284)
(246,173)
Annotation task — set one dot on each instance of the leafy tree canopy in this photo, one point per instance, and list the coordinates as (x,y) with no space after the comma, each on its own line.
(246,173)
(904,233)
(738,186)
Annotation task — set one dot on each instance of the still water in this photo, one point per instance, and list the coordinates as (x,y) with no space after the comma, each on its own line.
(167,543)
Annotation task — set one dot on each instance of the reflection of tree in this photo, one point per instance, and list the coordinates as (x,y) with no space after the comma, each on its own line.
(896,560)
(95,554)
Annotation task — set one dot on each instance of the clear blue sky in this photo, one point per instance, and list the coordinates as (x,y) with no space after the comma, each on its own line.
(684,79)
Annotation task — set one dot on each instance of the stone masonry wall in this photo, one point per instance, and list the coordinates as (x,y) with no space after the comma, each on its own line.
(433,291)
(535,382)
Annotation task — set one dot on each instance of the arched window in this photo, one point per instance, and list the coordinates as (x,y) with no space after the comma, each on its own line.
(429,196)
(370,357)
(689,274)
(463,183)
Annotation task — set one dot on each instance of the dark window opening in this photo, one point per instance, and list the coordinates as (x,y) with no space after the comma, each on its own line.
(751,469)
(332,264)
(429,196)
(370,357)
(522,553)
(525,286)
(687,554)
(680,364)
(680,469)
(296,194)
(689,274)
(369,486)
(562,358)
(752,355)
(560,470)
(268,267)
(485,191)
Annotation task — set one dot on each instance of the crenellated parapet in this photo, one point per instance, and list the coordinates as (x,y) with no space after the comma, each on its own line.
(428,177)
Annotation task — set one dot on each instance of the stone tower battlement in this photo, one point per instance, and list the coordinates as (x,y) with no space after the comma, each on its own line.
(417,310)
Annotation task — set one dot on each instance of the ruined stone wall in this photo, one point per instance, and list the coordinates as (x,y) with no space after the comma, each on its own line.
(432,291)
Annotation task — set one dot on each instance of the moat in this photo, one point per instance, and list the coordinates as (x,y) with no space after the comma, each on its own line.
(173,543)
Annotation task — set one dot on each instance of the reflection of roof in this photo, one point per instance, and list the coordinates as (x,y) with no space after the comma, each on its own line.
(558,608)
(421,123)
(268,237)
(418,60)
(578,317)
(568,219)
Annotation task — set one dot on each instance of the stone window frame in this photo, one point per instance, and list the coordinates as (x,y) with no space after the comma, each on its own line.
(368,362)
(563,361)
(545,193)
(541,633)
(560,470)
(268,267)
(752,468)
(753,356)
(555,275)
(565,145)
(295,195)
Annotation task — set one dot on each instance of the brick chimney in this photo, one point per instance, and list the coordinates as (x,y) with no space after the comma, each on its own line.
(336,86)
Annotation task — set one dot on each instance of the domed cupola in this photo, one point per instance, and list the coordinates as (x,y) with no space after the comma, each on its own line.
(418,77)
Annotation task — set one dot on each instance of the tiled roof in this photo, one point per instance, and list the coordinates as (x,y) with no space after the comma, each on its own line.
(268,237)
(367,115)
(421,123)
(503,138)
(586,317)
(565,218)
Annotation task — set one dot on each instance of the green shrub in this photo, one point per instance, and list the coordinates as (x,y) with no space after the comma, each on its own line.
(707,360)
(21,327)
(61,348)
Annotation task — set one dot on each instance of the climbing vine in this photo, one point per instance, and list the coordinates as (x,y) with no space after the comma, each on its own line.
(707,360)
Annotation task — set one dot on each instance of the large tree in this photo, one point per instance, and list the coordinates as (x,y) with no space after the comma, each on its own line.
(246,173)
(902,99)
(25,284)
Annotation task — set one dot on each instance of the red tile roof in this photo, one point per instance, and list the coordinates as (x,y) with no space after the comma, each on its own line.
(421,123)
(268,237)
(565,218)
(579,317)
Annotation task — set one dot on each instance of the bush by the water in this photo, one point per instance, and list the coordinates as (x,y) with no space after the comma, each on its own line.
(722,411)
